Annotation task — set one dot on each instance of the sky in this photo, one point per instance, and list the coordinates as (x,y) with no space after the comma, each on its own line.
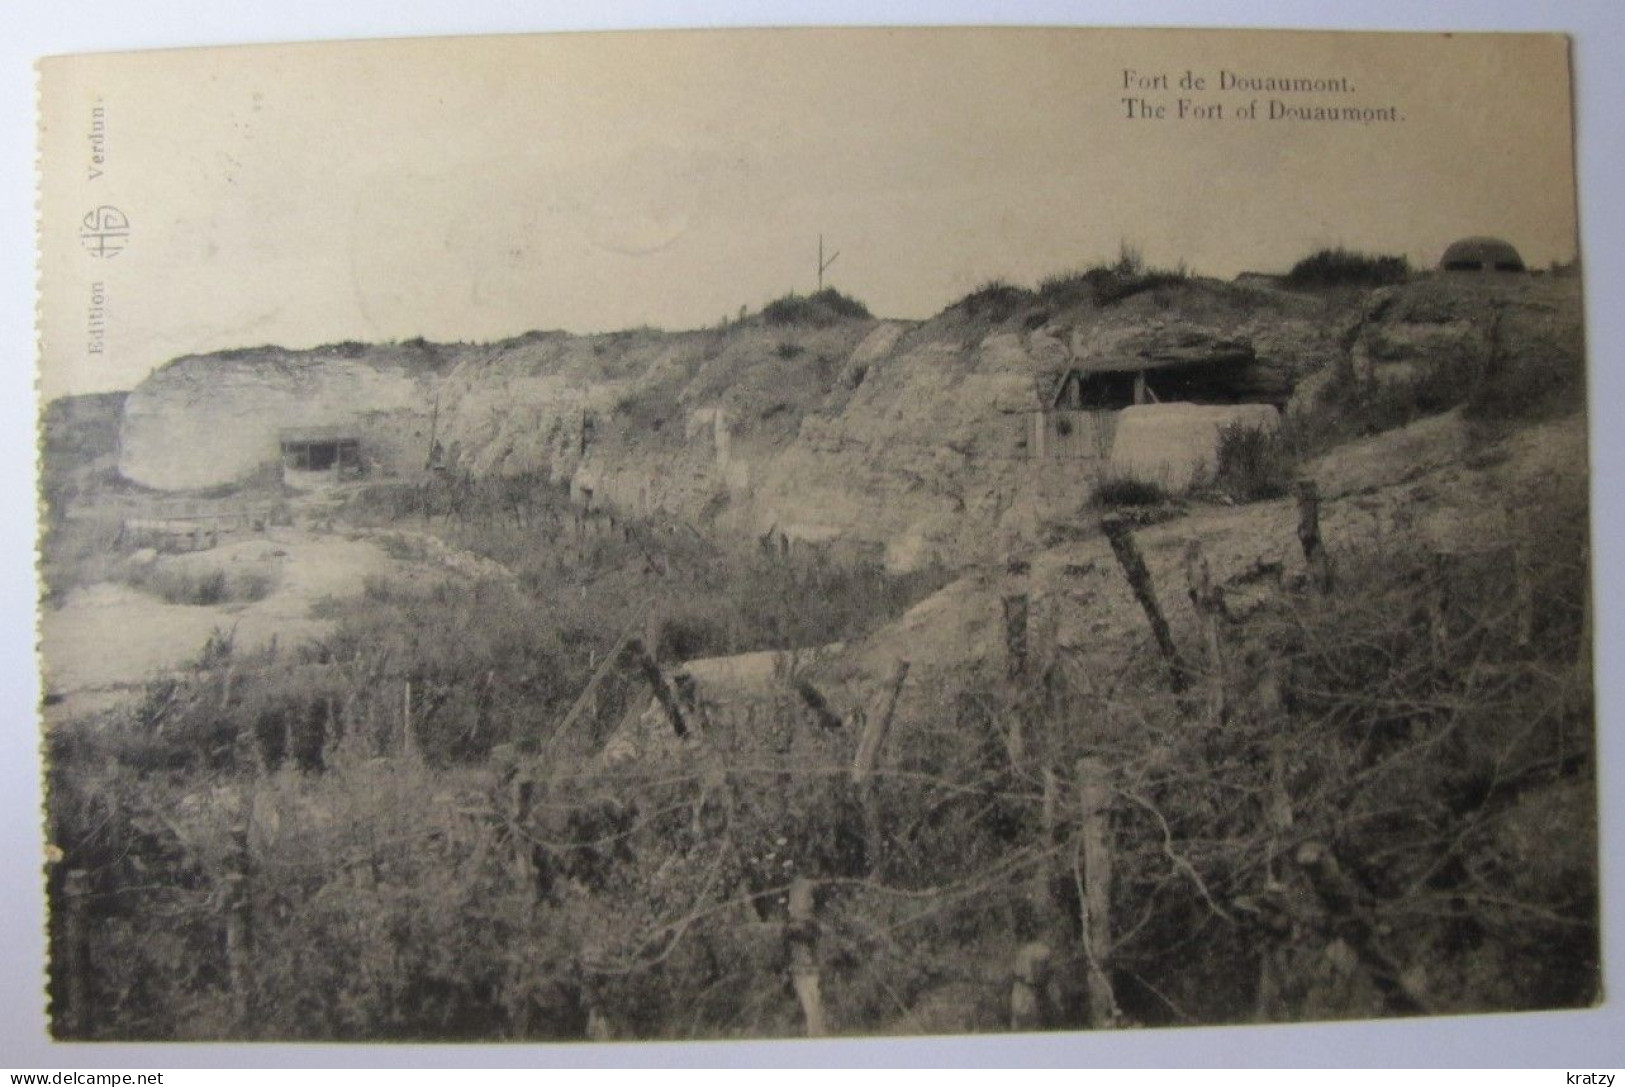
(474,189)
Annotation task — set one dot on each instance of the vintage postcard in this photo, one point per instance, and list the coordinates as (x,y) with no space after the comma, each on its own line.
(757,534)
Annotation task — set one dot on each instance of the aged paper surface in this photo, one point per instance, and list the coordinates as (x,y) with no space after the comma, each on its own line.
(779,533)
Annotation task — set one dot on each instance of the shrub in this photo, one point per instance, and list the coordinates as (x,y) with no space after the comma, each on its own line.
(1107,284)
(1341,267)
(1528,387)
(787,350)
(187,584)
(1253,464)
(996,300)
(1116,491)
(1350,406)
(820,309)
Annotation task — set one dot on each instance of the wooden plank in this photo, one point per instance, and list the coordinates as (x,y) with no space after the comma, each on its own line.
(1094,805)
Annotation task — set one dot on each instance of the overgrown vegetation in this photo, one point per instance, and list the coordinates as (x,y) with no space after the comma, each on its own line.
(1119,491)
(1252,464)
(486,805)
(1340,267)
(818,310)
(1101,284)
(1527,386)
(201,585)
(1372,802)
(995,301)
(1106,284)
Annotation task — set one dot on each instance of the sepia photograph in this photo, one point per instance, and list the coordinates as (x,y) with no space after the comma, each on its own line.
(812,533)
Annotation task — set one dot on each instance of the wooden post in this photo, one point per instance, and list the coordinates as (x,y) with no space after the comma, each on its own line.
(1127,550)
(1275,962)
(1049,910)
(1016,660)
(598,1028)
(72,1010)
(1094,804)
(522,801)
(802,936)
(409,737)
(868,757)
(875,732)
(815,702)
(1208,600)
(586,701)
(1314,550)
(1027,988)
(1523,586)
(823,265)
(239,922)
(1439,606)
(688,698)
(657,683)
(1346,902)
(521,798)
(1271,708)
(1015,636)
(1524,593)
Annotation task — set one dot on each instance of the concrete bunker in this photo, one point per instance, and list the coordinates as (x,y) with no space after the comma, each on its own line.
(1080,407)
(320,450)
(1481,254)
(1176,444)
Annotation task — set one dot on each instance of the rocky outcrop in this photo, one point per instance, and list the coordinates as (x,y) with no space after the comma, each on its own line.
(911,440)
(207,420)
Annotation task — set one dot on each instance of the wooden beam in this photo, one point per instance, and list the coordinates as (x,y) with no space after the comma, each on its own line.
(1094,805)
(1121,536)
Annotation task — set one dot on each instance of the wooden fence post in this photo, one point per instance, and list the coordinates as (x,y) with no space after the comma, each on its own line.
(867,759)
(802,936)
(521,800)
(1015,672)
(1314,549)
(1094,805)
(239,921)
(1440,604)
(657,683)
(817,705)
(1208,600)
(409,736)
(1015,636)
(1523,585)
(72,1019)
(1049,910)
(1127,550)
(1027,1005)
(1274,967)
(1346,903)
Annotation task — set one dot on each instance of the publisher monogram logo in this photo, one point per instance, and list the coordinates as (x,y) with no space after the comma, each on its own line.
(105,231)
